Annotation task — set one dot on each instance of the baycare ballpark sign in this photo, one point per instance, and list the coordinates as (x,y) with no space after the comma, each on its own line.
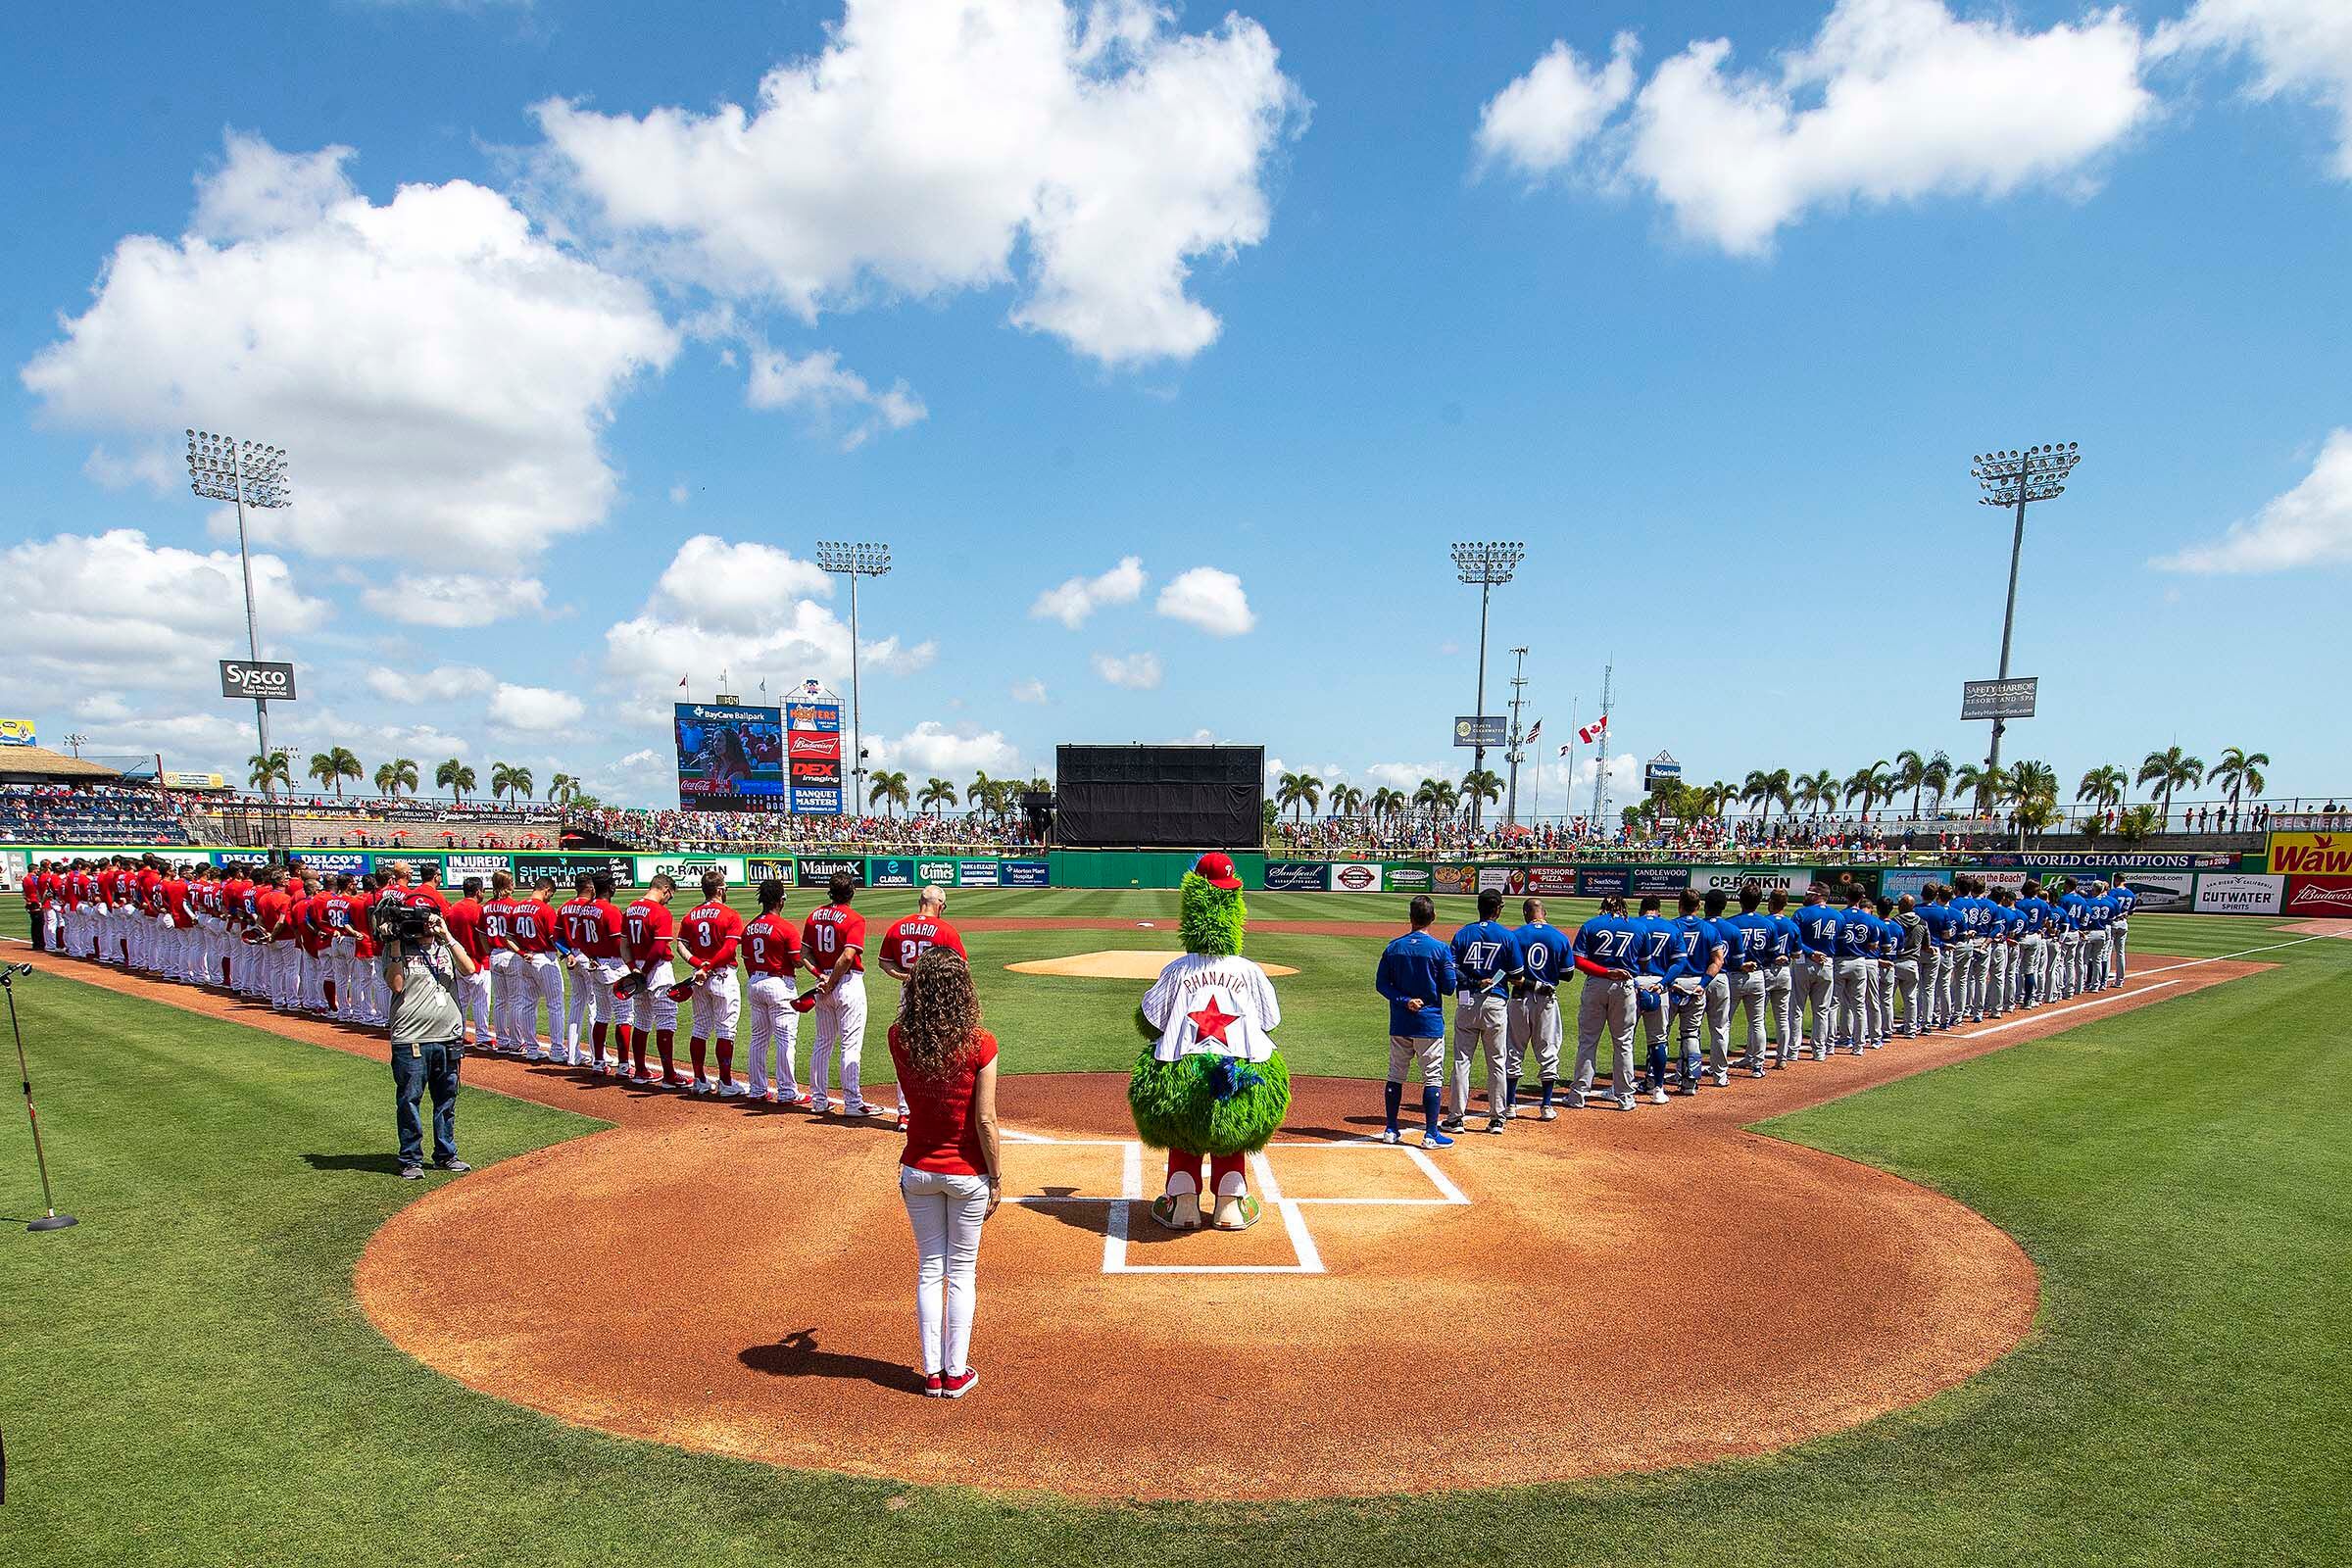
(2311,855)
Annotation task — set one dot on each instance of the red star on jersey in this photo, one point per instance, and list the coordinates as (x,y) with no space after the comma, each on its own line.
(1210,1023)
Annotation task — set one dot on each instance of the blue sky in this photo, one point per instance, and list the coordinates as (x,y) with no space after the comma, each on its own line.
(1256,299)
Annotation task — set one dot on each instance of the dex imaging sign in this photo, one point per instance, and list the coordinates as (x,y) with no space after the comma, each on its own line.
(258,679)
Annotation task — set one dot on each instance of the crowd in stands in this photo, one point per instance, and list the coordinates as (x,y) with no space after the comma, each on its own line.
(732,830)
(92,813)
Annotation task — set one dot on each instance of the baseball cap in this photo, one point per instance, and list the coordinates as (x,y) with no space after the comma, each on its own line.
(1217,866)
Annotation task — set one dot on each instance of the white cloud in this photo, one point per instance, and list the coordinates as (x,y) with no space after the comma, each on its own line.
(1080,596)
(1208,599)
(158,468)
(1405,776)
(444,683)
(454,599)
(2302,48)
(931,145)
(534,709)
(1538,123)
(2311,525)
(98,612)
(1031,691)
(1892,100)
(439,373)
(748,609)
(678,495)
(933,748)
(1138,672)
(830,396)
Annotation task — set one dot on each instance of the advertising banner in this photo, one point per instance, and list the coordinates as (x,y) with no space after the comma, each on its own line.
(1603,881)
(687,870)
(813,718)
(1496,878)
(1491,730)
(176,780)
(1790,879)
(257,678)
(1455,878)
(815,870)
(458,867)
(1406,876)
(14,863)
(1631,881)
(817,801)
(2317,896)
(814,746)
(730,758)
(1540,881)
(1298,876)
(1897,880)
(2238,892)
(2311,854)
(929,873)
(888,871)
(2160,892)
(1994,881)
(1354,876)
(1999,699)
(2086,863)
(337,862)
(621,868)
(17,732)
(759,867)
(979,875)
(1028,874)
(1664,880)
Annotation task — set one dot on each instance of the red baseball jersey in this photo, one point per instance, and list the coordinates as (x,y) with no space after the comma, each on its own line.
(592,926)
(907,940)
(496,913)
(464,918)
(531,925)
(270,910)
(646,928)
(362,918)
(176,902)
(710,934)
(830,931)
(771,945)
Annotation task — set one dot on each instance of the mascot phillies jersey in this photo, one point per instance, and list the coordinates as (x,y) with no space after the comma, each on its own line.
(1205,1003)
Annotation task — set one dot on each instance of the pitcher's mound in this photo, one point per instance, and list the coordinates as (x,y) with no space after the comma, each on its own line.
(1124,964)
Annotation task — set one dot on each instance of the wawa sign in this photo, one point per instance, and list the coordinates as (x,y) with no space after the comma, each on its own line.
(2311,855)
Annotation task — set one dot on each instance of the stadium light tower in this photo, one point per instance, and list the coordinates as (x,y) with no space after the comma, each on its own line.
(2012,479)
(250,474)
(854,560)
(1484,566)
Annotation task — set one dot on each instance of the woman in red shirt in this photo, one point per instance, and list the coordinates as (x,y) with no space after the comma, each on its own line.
(949,1174)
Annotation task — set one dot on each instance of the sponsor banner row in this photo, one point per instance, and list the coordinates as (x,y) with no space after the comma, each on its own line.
(2103,863)
(2311,854)
(2322,897)
(2240,892)
(2164,892)
(1631,881)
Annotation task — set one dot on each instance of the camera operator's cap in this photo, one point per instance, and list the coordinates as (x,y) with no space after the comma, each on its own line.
(1217,866)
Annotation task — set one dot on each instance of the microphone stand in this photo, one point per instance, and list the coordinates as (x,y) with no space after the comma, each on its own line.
(51,1219)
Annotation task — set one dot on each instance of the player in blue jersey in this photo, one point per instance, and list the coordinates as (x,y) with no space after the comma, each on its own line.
(1817,969)
(1744,965)
(1485,959)
(1604,957)
(1936,961)
(1889,949)
(1655,953)
(1416,973)
(1701,965)
(1779,976)
(2098,913)
(1857,940)
(2069,939)
(1535,1025)
(2119,928)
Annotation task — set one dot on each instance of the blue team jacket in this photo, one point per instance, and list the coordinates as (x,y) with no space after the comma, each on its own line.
(1415,966)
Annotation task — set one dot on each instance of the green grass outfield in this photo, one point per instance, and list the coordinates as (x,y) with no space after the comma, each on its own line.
(185,1380)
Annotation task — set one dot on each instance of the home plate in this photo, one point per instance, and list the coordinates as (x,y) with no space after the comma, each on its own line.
(1123,964)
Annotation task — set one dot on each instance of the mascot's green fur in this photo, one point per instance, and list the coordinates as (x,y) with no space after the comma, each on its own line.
(1207,1103)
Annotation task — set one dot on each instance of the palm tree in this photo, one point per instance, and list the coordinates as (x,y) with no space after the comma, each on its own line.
(888,791)
(1938,777)
(1870,785)
(2238,770)
(501,779)
(2165,771)
(1347,801)
(1481,784)
(562,786)
(1435,797)
(1302,791)
(334,766)
(936,792)
(453,776)
(264,769)
(1386,802)
(2103,786)
(1911,773)
(1764,789)
(1989,785)
(1818,791)
(982,793)
(2136,824)
(2034,788)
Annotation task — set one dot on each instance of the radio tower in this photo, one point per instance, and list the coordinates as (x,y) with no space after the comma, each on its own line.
(1600,751)
(1510,816)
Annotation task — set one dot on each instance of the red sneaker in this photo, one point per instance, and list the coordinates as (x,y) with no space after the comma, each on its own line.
(932,1386)
(956,1385)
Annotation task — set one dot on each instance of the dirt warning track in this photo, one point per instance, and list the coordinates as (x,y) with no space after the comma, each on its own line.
(737,1279)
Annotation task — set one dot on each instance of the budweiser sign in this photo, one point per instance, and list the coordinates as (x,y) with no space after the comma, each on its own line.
(2306,894)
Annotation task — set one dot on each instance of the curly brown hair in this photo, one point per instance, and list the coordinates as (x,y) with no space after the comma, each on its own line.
(942,1016)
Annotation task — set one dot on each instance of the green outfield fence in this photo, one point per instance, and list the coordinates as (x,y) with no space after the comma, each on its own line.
(2198,882)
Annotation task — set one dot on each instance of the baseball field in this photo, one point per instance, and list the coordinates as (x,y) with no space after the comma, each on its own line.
(2061,1292)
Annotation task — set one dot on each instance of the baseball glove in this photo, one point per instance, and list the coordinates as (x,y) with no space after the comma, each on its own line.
(681,991)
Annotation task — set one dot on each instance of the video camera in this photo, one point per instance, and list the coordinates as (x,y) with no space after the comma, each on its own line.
(404,923)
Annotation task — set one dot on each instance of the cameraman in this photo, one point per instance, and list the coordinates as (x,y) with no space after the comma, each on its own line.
(421,967)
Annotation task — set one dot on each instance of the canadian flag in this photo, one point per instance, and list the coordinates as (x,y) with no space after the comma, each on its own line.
(1595,730)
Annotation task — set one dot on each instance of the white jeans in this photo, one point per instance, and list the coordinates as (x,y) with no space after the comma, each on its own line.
(945,1212)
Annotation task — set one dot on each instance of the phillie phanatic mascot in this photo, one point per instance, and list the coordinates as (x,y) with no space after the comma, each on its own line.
(1210,1085)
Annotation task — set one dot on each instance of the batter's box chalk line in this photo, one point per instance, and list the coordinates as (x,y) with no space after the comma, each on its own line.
(1308,1258)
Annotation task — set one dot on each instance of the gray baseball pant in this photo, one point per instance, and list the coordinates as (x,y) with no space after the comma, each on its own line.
(1718,1011)
(1536,1027)
(1780,1003)
(1481,1024)
(1818,983)
(2116,934)
(1745,991)
(1853,986)
(1606,1007)
(2094,945)
(1906,987)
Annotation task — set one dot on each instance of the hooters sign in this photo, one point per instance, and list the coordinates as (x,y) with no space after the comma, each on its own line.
(2326,855)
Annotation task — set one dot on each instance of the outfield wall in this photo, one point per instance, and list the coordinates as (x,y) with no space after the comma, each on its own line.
(2203,883)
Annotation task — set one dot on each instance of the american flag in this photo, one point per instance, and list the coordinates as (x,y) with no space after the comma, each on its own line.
(1534,731)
